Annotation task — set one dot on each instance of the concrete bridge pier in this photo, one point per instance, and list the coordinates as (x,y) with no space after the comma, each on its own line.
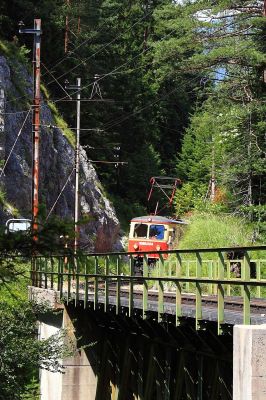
(50,383)
(78,381)
(249,362)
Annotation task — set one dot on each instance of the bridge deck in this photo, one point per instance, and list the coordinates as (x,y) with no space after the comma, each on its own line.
(233,305)
(110,280)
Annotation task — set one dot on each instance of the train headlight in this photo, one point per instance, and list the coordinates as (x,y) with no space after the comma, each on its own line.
(136,246)
(158,247)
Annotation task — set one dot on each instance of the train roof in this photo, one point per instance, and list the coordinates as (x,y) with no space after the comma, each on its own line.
(158,219)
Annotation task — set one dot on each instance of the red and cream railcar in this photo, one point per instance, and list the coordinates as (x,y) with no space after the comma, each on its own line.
(156,233)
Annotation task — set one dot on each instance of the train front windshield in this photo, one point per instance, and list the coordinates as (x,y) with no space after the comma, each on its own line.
(141,231)
(156,232)
(149,232)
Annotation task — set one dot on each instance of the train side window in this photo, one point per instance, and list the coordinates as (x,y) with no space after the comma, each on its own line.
(174,234)
(156,231)
(141,230)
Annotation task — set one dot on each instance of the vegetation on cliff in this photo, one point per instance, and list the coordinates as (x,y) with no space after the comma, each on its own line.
(183,93)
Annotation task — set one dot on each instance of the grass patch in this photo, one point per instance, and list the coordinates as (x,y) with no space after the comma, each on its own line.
(12,209)
(17,59)
(45,91)
(207,230)
(61,124)
(15,53)
(8,206)
(2,197)
(16,291)
(4,48)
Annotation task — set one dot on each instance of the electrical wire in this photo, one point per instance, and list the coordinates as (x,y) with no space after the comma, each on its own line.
(58,62)
(56,80)
(14,144)
(99,50)
(114,70)
(113,123)
(107,162)
(60,194)
(15,112)
(67,56)
(119,67)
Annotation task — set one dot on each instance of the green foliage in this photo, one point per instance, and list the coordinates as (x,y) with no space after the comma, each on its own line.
(2,197)
(32,390)
(13,52)
(16,248)
(207,230)
(21,351)
(257,214)
(143,106)
(61,123)
(186,197)
(126,210)
(22,354)
(186,90)
(225,135)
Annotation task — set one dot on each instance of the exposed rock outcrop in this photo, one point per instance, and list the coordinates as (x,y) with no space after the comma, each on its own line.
(101,233)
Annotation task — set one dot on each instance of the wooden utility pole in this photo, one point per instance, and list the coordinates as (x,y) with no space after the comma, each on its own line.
(36,31)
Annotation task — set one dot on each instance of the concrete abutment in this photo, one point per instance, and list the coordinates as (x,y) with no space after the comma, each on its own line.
(249,362)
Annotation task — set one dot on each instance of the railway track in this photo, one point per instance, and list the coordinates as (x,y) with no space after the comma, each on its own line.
(233,303)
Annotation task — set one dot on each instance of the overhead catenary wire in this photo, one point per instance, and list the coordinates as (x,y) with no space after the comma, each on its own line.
(63,99)
(103,76)
(72,128)
(14,112)
(14,144)
(69,98)
(117,68)
(100,50)
(67,56)
(56,80)
(69,177)
(62,59)
(107,162)
(81,44)
(113,123)
(111,72)
(61,192)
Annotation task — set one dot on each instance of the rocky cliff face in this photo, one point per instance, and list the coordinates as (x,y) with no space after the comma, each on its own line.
(101,233)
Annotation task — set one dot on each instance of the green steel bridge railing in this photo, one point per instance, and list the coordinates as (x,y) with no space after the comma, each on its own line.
(201,272)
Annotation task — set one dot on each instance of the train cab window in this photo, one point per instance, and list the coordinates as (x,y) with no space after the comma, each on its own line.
(156,232)
(140,230)
(172,236)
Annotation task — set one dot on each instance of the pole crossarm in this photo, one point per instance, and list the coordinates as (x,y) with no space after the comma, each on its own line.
(36,31)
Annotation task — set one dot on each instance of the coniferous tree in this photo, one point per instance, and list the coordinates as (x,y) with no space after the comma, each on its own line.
(226,48)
